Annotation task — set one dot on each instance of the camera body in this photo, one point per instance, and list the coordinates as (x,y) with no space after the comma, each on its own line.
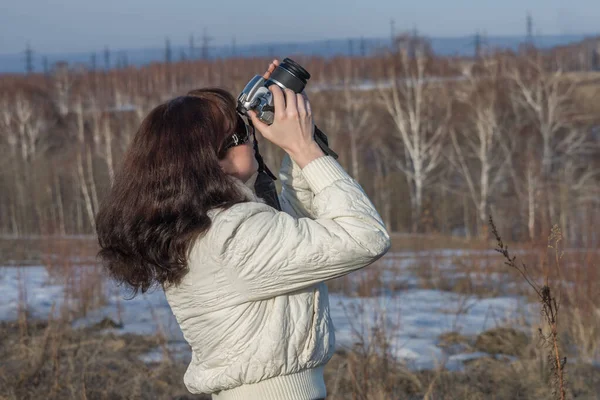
(257,97)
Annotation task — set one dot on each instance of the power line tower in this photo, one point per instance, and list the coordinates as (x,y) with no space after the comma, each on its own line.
(414,45)
(124,59)
(106,58)
(350,47)
(392,33)
(233,49)
(206,39)
(28,59)
(167,51)
(595,64)
(46,65)
(93,62)
(192,51)
(363,47)
(529,24)
(477,44)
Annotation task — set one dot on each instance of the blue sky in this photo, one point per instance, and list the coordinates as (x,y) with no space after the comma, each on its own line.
(80,25)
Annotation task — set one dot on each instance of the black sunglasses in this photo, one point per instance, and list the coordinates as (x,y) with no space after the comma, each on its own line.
(242,134)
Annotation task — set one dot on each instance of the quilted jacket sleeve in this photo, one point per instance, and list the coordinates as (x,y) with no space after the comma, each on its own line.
(296,195)
(267,253)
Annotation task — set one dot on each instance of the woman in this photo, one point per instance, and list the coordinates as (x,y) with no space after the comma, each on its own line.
(244,281)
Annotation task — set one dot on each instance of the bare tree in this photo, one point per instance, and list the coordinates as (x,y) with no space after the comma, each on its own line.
(63,82)
(475,142)
(578,179)
(357,118)
(543,103)
(420,110)
(23,114)
(6,121)
(545,98)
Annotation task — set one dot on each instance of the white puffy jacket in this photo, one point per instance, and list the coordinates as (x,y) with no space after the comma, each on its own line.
(254,306)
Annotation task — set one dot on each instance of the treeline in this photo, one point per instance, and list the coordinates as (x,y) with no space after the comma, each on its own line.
(438,143)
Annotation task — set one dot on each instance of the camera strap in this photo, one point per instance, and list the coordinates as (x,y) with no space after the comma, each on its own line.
(264,187)
(261,163)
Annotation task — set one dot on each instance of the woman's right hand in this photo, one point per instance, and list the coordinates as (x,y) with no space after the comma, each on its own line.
(292,128)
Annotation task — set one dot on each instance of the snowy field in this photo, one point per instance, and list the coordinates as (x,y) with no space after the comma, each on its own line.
(413,317)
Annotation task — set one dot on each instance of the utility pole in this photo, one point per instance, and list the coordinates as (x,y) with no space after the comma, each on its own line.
(393,33)
(206,39)
(233,50)
(28,59)
(350,48)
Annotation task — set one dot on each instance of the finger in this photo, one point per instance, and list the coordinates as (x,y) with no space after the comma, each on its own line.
(306,101)
(303,93)
(291,103)
(271,68)
(258,124)
(269,71)
(278,100)
(301,101)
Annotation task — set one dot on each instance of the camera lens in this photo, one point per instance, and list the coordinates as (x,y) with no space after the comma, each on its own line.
(291,75)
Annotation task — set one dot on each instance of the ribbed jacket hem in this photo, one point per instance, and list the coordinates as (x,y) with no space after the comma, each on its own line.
(322,172)
(305,385)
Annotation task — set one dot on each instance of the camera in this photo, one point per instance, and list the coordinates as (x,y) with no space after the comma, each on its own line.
(257,97)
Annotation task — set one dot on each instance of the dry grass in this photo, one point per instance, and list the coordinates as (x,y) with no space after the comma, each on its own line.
(53,361)
(425,242)
(48,359)
(561,331)
(36,250)
(354,375)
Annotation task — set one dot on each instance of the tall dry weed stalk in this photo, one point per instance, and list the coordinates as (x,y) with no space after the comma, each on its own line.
(22,306)
(549,301)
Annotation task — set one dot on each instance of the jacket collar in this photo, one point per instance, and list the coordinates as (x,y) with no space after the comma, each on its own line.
(247,188)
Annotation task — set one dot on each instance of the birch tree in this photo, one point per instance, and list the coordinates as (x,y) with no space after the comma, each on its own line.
(476,141)
(420,111)
(356,117)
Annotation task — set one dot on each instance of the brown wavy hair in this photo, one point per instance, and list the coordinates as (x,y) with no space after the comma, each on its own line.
(169,178)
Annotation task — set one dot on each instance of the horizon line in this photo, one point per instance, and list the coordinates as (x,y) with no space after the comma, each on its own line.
(121,49)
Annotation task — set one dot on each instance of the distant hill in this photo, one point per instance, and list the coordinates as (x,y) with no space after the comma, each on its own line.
(15,63)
